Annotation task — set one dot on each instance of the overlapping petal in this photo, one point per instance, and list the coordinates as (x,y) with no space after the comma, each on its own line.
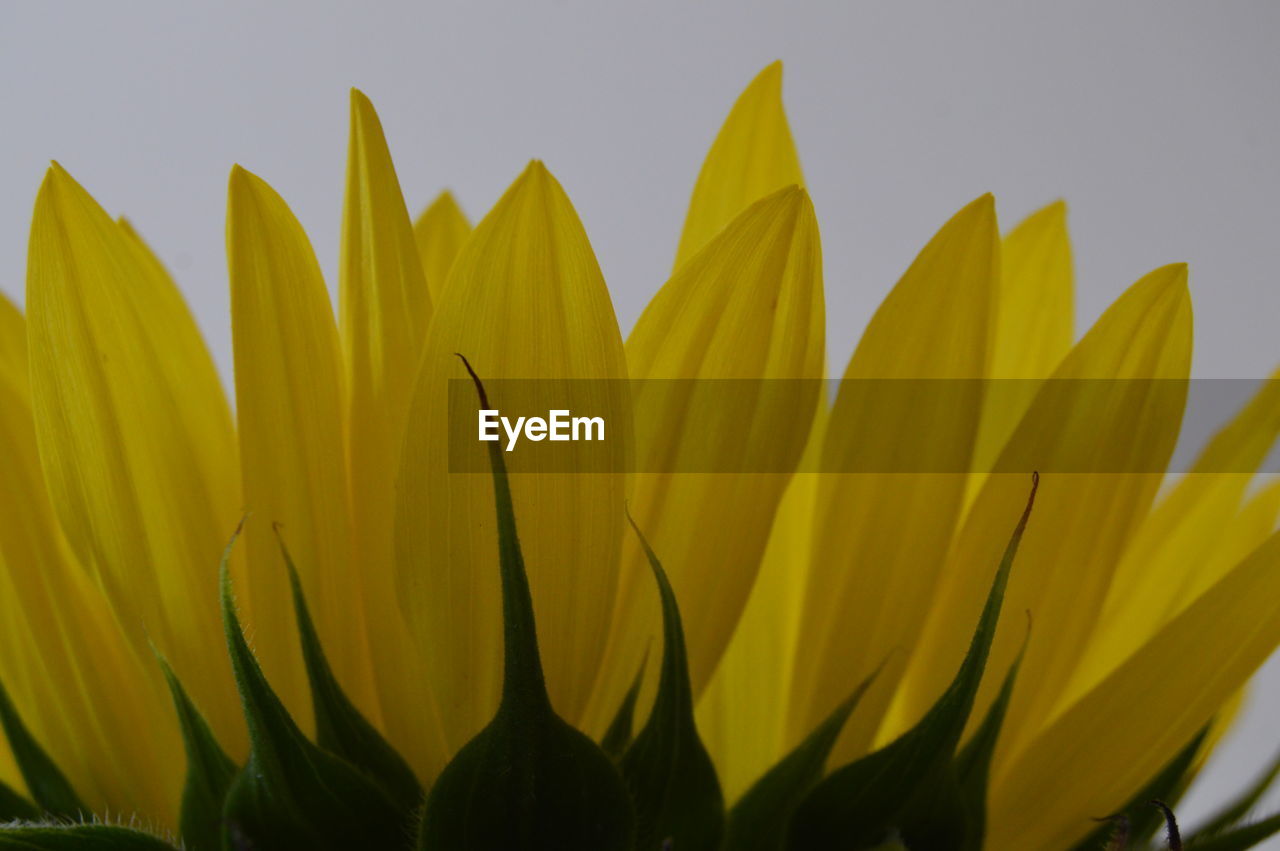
(747,311)
(745,734)
(1096,754)
(440,231)
(135,438)
(290,406)
(385,308)
(67,666)
(1032,329)
(752,156)
(525,300)
(880,537)
(1102,431)
(1173,556)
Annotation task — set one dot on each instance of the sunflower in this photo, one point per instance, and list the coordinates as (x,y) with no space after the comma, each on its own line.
(894,634)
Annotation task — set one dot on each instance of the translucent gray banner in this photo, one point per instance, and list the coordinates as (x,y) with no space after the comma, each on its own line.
(916,426)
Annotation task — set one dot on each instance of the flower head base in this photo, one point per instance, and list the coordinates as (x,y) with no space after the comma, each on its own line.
(836,655)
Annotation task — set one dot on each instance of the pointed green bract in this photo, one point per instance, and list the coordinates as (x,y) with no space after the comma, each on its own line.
(1168,785)
(14,807)
(528,780)
(1241,838)
(209,772)
(758,822)
(290,793)
(949,812)
(858,805)
(340,728)
(667,768)
(79,837)
(48,786)
(973,762)
(617,738)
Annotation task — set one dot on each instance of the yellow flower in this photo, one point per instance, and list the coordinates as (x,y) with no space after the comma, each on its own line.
(125,470)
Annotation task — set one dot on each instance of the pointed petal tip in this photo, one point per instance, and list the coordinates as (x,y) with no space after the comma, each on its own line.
(62,192)
(536,177)
(242,183)
(57,171)
(362,111)
(239,176)
(770,74)
(1172,277)
(981,210)
(792,195)
(57,178)
(1163,285)
(241,186)
(793,200)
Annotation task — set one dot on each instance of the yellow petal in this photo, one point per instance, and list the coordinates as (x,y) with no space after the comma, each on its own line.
(1097,754)
(385,305)
(749,306)
(13,340)
(440,232)
(1115,431)
(1247,530)
(67,666)
(188,362)
(134,438)
(744,733)
(1171,559)
(289,403)
(752,156)
(1034,314)
(525,299)
(1033,325)
(385,311)
(880,538)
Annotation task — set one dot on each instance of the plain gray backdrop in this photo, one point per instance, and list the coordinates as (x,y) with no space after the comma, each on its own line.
(1158,122)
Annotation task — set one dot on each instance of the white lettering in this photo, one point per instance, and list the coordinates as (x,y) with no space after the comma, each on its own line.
(558,426)
(513,434)
(587,423)
(489,426)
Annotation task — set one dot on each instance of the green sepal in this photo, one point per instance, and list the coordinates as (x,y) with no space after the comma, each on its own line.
(14,807)
(758,822)
(48,786)
(340,728)
(973,762)
(79,837)
(937,817)
(858,805)
(1167,785)
(949,811)
(668,770)
(528,780)
(617,738)
(1236,810)
(291,793)
(209,772)
(1245,836)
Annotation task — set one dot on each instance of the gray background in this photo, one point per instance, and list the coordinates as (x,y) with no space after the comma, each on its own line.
(1157,122)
